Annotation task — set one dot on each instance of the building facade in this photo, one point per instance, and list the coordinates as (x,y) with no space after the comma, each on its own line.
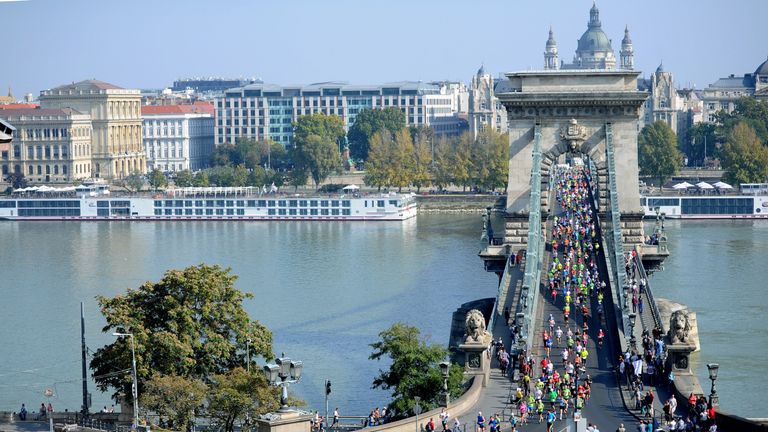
(50,145)
(115,113)
(266,111)
(178,137)
(723,93)
(485,110)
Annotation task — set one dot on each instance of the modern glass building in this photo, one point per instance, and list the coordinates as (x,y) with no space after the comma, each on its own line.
(262,111)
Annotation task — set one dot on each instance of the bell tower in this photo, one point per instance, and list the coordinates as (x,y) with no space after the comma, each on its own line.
(627,52)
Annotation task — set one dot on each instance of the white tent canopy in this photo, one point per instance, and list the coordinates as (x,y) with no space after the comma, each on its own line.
(721,185)
(351,187)
(683,185)
(704,185)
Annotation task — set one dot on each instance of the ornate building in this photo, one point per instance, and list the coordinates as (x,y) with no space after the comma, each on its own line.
(485,110)
(116,117)
(723,93)
(594,50)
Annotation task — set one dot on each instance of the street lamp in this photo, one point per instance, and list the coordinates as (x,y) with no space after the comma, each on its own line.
(713,399)
(135,385)
(445,368)
(632,340)
(285,372)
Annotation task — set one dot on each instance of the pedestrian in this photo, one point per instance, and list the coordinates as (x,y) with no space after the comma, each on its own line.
(444,419)
(335,417)
(456,425)
(621,428)
(23,413)
(480,421)
(550,420)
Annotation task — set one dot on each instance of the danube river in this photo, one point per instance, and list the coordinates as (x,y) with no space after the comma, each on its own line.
(327,289)
(717,269)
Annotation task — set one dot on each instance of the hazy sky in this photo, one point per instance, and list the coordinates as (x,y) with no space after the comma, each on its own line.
(150,43)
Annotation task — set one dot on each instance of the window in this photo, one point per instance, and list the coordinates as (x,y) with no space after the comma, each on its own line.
(380,203)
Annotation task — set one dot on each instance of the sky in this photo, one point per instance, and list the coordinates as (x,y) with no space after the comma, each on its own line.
(150,43)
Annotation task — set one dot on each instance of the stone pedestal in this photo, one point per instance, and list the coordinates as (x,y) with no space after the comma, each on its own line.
(516,231)
(679,357)
(291,421)
(632,229)
(476,361)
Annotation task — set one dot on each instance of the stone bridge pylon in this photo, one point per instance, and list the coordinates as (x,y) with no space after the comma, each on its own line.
(572,109)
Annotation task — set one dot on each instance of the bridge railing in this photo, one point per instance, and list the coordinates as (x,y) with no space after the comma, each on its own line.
(616,252)
(526,308)
(650,301)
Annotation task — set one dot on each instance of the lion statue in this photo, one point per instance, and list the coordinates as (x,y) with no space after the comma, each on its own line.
(679,327)
(474,328)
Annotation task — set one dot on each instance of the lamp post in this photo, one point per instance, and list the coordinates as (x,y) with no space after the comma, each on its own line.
(417,410)
(284,372)
(713,399)
(135,385)
(632,340)
(445,368)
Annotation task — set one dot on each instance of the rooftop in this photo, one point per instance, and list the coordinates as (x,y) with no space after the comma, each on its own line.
(36,112)
(197,108)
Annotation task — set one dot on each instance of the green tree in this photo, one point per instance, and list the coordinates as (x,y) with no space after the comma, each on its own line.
(330,127)
(236,395)
(184,178)
(367,123)
(701,142)
(191,324)
(317,155)
(201,179)
(298,177)
(257,177)
(748,110)
(157,179)
(16,180)
(441,167)
(745,158)
(222,155)
(276,157)
(414,369)
(174,398)
(657,152)
(240,176)
(133,182)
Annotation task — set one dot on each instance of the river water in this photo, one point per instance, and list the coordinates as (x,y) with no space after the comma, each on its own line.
(717,268)
(326,289)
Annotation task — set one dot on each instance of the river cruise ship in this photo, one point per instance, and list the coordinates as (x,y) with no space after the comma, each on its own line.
(96,203)
(707,206)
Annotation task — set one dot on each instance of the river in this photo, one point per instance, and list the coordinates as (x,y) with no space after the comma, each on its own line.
(716,268)
(326,289)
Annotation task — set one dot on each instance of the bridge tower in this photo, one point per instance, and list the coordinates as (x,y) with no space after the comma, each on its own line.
(579,112)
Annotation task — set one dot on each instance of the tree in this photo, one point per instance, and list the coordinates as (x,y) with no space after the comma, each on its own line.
(184,178)
(422,156)
(461,163)
(222,155)
(174,398)
(318,156)
(402,161)
(414,369)
(745,159)
(491,159)
(367,123)
(441,167)
(157,179)
(191,324)
(201,179)
(133,182)
(238,394)
(701,143)
(297,178)
(17,180)
(657,151)
(330,127)
(748,110)
(239,176)
(377,166)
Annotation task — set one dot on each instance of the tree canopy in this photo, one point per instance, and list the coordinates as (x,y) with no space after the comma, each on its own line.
(190,324)
(414,369)
(744,157)
(701,143)
(174,399)
(316,139)
(657,151)
(367,123)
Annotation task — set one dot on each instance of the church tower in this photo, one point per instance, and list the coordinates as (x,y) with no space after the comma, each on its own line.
(627,53)
(482,102)
(550,53)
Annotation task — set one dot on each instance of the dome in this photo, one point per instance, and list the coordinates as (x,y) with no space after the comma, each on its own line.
(551,41)
(762,69)
(627,40)
(481,71)
(594,39)
(660,69)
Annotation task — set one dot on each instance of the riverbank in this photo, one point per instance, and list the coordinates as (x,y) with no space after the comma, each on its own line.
(459,203)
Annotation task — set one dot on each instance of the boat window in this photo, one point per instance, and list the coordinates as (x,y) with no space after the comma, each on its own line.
(209,203)
(169,203)
(209,212)
(271,203)
(271,212)
(313,203)
(281,203)
(158,203)
(230,212)
(345,203)
(241,212)
(102,212)
(199,212)
(281,211)
(324,203)
(199,203)
(230,203)
(346,211)
(292,203)
(302,203)
(101,204)
(158,212)
(334,203)
(324,212)
(240,203)
(380,203)
(313,212)
(168,212)
(303,212)
(219,203)
(188,212)
(220,211)
(187,203)
(335,212)
(179,203)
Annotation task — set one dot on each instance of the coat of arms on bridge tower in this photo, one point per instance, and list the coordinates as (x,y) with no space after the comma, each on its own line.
(574,134)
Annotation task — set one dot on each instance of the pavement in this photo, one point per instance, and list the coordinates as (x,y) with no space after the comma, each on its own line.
(24,426)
